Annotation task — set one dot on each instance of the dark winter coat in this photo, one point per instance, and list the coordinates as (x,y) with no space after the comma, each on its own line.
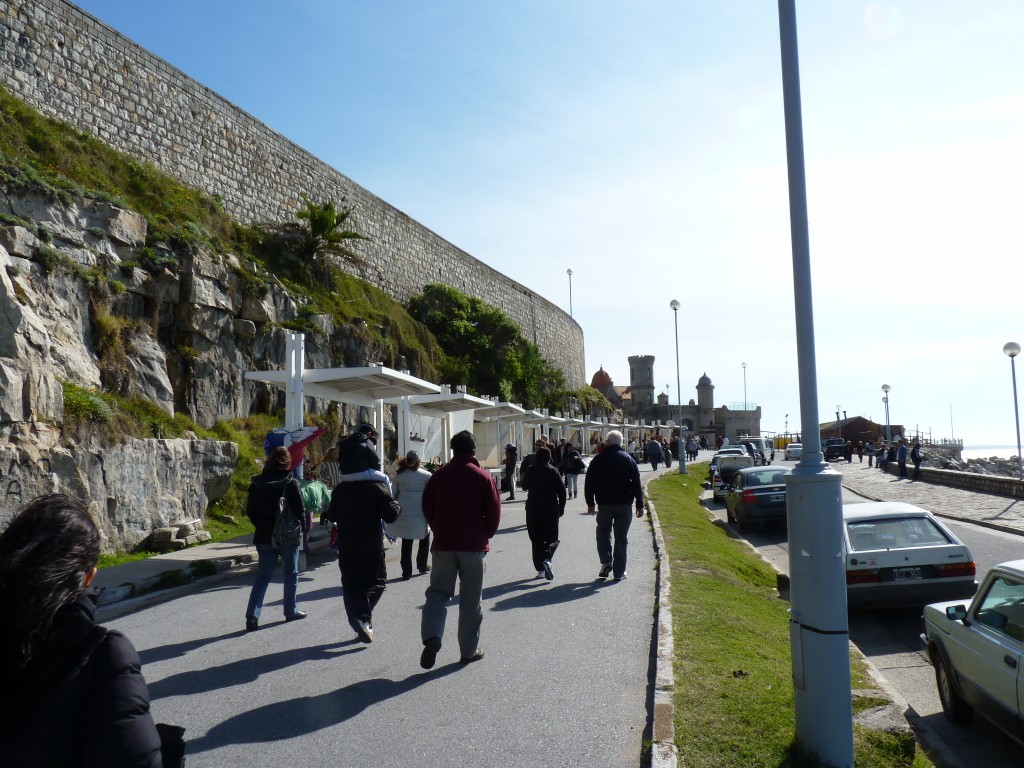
(358,507)
(264,501)
(546,492)
(613,478)
(80,702)
(356,453)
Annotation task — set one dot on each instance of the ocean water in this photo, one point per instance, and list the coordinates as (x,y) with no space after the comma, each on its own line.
(986,451)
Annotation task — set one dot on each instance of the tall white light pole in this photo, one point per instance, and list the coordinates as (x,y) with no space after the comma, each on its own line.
(1012,349)
(819,627)
(569,273)
(681,446)
(744,387)
(885,399)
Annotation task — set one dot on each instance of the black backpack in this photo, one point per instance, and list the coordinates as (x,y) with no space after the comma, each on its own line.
(287,528)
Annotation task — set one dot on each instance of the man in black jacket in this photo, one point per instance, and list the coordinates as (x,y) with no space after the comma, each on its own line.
(613,481)
(358,507)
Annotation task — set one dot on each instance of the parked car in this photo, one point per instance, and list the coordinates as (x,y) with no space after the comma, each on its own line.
(977,650)
(757,495)
(762,445)
(793,451)
(725,466)
(900,555)
(833,448)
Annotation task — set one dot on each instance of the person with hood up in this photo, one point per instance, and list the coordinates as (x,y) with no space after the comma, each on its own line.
(545,503)
(274,485)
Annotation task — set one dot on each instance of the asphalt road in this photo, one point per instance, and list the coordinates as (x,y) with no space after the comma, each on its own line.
(565,682)
(890,639)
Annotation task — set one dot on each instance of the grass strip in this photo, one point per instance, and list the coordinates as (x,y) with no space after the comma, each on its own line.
(733,676)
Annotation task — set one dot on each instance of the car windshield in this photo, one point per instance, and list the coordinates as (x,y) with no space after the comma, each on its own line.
(765,477)
(1003,607)
(895,533)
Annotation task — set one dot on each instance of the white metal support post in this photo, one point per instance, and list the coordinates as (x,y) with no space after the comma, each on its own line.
(819,626)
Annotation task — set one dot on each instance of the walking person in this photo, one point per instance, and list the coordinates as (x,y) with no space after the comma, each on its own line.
(652,450)
(273,493)
(545,503)
(901,458)
(511,457)
(463,508)
(71,691)
(572,467)
(860,451)
(328,470)
(613,484)
(915,457)
(360,508)
(411,526)
(869,448)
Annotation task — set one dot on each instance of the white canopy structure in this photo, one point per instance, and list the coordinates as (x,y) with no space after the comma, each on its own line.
(368,386)
(426,423)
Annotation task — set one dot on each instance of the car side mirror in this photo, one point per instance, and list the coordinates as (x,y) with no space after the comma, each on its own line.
(956,612)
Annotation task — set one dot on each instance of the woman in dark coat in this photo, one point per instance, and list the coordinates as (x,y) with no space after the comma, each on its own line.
(545,503)
(265,493)
(71,692)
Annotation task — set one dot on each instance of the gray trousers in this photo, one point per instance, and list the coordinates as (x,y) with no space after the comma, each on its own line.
(613,518)
(468,568)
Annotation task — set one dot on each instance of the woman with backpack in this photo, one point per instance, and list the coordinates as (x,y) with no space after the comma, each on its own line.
(275,508)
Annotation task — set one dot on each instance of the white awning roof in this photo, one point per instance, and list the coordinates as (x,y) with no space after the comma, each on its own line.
(446,402)
(502,410)
(358,386)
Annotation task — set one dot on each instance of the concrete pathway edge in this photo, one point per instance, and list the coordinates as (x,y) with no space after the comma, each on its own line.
(664,753)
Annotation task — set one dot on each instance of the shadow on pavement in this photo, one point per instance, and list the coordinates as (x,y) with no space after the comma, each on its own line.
(246,670)
(288,719)
(561,593)
(165,652)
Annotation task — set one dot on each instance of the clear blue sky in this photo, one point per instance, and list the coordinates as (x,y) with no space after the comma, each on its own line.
(642,145)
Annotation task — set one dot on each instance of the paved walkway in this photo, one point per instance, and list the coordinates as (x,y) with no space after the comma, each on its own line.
(987,509)
(567,680)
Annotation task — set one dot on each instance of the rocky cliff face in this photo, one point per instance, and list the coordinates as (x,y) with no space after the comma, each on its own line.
(75,305)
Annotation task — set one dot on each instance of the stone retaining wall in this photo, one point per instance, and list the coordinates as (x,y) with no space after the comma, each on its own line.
(67,64)
(968,481)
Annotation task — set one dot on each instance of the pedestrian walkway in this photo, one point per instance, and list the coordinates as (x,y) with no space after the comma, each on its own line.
(567,679)
(1000,512)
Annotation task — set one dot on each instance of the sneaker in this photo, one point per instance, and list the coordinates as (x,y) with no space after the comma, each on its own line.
(365,631)
(623,577)
(549,574)
(605,572)
(430,648)
(251,624)
(475,657)
(297,616)
(541,575)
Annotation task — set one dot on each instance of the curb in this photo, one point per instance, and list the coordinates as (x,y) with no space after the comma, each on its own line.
(664,753)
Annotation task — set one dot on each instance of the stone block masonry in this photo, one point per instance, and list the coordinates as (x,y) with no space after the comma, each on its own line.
(71,66)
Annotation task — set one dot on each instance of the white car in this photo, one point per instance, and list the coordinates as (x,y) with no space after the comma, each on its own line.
(900,555)
(794,451)
(977,650)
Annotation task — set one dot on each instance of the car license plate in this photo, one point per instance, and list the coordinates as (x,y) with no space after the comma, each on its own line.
(906,574)
(777,498)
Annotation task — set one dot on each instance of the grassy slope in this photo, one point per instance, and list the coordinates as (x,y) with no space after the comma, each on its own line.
(734,691)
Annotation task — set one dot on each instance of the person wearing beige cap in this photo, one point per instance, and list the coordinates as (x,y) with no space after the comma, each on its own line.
(411,526)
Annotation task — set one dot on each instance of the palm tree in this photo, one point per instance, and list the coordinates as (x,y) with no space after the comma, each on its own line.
(317,238)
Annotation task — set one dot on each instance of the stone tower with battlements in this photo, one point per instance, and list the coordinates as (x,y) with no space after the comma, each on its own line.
(641,380)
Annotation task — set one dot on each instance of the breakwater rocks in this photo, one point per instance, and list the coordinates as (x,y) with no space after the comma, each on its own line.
(943,457)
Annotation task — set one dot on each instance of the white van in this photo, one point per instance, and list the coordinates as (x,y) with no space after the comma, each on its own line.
(764,445)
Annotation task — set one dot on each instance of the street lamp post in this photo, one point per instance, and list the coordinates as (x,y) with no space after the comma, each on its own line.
(569,273)
(1012,349)
(885,399)
(681,446)
(786,430)
(744,387)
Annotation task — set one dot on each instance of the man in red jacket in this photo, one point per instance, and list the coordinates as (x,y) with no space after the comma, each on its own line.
(462,506)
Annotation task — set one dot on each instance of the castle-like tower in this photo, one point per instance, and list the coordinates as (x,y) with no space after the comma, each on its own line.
(641,380)
(705,393)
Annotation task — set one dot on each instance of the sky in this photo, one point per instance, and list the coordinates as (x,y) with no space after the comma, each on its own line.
(642,145)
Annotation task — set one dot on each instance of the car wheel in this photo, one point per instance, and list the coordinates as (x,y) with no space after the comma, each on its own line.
(728,514)
(953,705)
(741,525)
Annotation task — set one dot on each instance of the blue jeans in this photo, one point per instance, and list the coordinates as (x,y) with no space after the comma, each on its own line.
(269,554)
(617,518)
